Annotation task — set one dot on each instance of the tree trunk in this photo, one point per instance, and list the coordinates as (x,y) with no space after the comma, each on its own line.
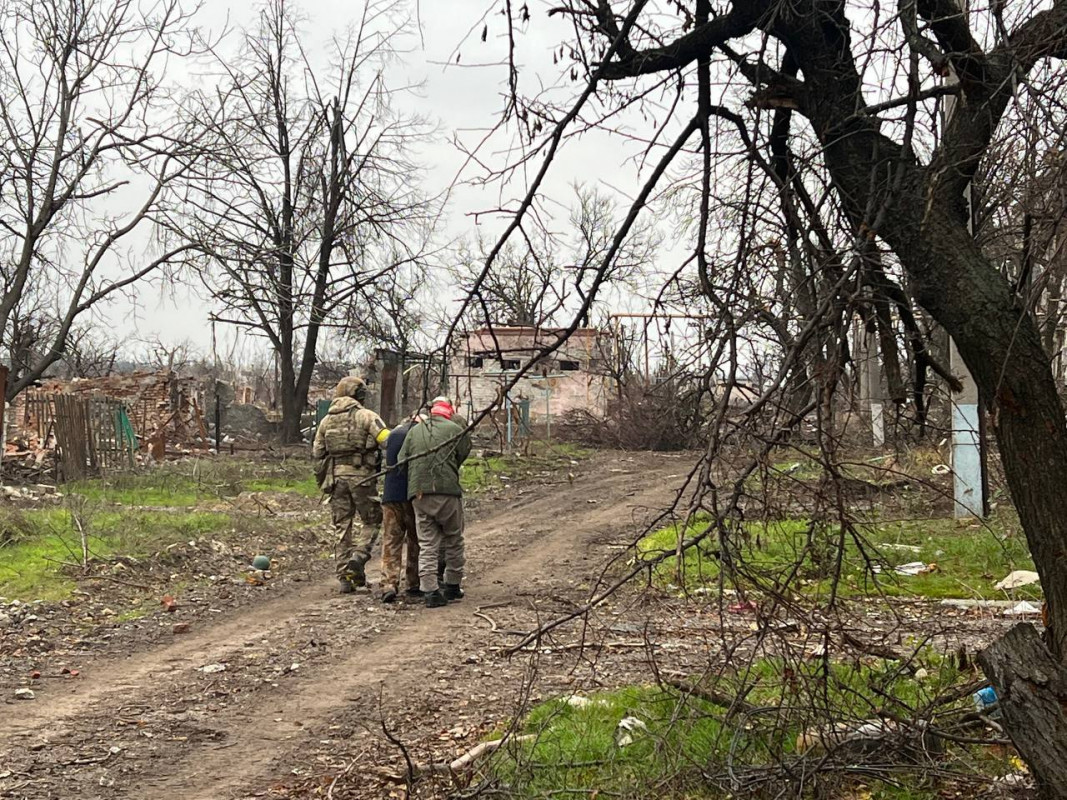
(1031,687)
(292,405)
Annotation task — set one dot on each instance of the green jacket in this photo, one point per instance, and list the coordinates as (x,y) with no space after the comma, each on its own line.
(438,472)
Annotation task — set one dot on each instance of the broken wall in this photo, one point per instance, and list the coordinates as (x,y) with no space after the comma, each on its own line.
(574,377)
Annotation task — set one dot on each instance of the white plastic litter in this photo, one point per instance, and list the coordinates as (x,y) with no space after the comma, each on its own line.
(911,568)
(211,669)
(1024,608)
(627,729)
(1020,577)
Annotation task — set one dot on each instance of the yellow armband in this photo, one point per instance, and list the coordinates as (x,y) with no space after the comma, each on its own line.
(381,437)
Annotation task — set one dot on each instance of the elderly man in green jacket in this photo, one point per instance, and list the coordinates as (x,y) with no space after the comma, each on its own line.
(432,455)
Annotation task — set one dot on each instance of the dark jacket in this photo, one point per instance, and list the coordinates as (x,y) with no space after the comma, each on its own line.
(438,472)
(395,485)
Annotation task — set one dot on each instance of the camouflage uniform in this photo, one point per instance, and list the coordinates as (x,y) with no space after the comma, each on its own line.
(348,440)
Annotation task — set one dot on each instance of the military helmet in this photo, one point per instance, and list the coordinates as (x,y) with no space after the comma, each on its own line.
(351,387)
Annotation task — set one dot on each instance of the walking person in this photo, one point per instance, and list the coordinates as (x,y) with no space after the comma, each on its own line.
(347,449)
(432,454)
(398,521)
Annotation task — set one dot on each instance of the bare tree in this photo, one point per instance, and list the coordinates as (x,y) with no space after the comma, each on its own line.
(88,161)
(304,193)
(539,278)
(823,120)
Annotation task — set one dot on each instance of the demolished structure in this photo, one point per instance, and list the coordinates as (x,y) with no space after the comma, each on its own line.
(574,377)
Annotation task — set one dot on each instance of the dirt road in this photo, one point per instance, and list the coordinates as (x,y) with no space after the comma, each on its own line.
(227,710)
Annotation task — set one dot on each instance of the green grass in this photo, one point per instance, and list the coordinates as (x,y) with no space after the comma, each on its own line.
(482,474)
(42,564)
(184,484)
(575,749)
(970,557)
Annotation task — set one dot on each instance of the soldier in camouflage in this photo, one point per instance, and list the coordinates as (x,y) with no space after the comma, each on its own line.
(347,447)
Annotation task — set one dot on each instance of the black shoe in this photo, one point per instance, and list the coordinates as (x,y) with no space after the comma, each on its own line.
(389,596)
(357,574)
(413,592)
(452,592)
(347,587)
(441,571)
(435,599)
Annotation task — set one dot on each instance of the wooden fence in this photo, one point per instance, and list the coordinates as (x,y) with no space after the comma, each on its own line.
(93,435)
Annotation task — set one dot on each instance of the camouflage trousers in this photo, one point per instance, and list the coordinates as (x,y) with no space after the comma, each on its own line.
(439,518)
(398,536)
(349,498)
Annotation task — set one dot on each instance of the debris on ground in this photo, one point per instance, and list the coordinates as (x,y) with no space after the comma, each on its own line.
(1017,579)
(627,731)
(1024,608)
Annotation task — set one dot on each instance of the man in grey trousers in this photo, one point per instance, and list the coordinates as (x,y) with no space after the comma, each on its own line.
(432,455)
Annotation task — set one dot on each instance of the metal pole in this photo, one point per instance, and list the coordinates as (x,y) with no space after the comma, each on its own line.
(507,410)
(218,416)
(548,413)
(968,468)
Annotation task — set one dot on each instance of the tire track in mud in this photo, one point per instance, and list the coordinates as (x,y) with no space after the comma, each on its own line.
(199,750)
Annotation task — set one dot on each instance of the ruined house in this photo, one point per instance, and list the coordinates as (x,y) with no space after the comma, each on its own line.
(158,403)
(574,377)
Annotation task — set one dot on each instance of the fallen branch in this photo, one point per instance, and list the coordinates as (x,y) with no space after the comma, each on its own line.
(731,704)
(574,646)
(458,765)
(494,629)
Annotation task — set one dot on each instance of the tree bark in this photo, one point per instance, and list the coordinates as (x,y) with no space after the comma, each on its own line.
(1031,686)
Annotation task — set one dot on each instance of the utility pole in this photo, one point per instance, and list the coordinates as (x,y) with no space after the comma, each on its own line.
(969,482)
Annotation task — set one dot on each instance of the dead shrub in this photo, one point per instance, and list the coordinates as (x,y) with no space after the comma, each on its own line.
(666,416)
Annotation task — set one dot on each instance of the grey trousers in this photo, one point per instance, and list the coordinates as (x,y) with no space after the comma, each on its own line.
(439,520)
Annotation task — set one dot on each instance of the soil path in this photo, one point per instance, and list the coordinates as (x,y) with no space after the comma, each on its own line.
(154,724)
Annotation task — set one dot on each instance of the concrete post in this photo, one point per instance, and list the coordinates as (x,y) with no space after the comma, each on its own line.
(968,484)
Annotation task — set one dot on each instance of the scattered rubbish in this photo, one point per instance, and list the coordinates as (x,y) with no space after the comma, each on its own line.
(1012,779)
(959,602)
(627,729)
(742,607)
(169,603)
(1024,608)
(211,669)
(914,568)
(261,563)
(258,577)
(180,627)
(985,699)
(1017,579)
(907,548)
(921,674)
(25,694)
(941,469)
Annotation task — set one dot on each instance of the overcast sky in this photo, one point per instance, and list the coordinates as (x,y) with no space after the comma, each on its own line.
(464,100)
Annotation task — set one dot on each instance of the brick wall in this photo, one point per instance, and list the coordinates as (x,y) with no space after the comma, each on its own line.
(152,398)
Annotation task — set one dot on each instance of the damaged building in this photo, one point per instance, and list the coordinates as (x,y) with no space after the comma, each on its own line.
(574,377)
